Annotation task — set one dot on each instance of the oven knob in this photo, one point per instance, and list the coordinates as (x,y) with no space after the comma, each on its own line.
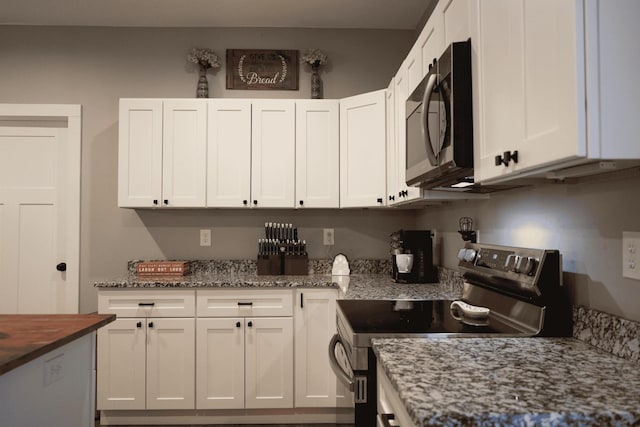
(525,265)
(470,255)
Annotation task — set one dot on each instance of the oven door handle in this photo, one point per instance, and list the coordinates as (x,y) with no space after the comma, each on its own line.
(335,366)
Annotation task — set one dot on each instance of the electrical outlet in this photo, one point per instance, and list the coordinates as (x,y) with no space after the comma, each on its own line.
(205,237)
(53,370)
(328,236)
(630,257)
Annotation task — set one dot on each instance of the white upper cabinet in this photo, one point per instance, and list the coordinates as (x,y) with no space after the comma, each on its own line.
(393,165)
(537,64)
(317,154)
(454,18)
(184,153)
(140,153)
(229,153)
(362,150)
(273,153)
(162,153)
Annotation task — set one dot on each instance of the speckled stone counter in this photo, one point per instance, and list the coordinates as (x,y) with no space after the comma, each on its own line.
(510,381)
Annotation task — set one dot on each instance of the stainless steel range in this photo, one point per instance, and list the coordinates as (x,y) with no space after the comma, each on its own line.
(507,291)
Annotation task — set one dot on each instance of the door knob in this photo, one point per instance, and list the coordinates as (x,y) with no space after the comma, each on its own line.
(61,266)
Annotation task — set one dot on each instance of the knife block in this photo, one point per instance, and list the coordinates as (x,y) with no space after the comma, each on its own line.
(273,265)
(296,265)
(269,265)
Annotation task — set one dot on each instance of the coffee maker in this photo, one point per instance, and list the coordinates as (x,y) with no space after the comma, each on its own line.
(419,243)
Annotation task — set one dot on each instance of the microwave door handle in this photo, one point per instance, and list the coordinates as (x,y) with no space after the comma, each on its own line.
(426,98)
(335,366)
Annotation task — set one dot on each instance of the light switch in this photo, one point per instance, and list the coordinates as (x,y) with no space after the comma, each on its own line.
(205,237)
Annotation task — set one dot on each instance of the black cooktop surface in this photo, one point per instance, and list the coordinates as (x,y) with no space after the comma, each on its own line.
(386,317)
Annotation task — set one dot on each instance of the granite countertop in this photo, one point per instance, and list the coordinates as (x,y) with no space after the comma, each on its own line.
(355,286)
(24,337)
(510,381)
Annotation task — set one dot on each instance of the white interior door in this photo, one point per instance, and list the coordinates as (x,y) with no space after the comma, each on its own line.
(37,219)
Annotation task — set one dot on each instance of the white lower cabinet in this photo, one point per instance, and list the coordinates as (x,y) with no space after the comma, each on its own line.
(207,350)
(315,324)
(244,361)
(146,363)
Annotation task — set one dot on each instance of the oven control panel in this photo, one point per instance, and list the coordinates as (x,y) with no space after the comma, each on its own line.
(499,260)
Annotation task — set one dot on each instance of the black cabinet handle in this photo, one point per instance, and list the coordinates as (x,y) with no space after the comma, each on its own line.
(155,202)
(250,324)
(380,200)
(301,202)
(166,201)
(301,300)
(146,304)
(61,266)
(255,203)
(151,324)
(139,325)
(245,202)
(245,303)
(506,158)
(237,324)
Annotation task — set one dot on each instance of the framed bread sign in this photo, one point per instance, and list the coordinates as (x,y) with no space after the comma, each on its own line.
(262,69)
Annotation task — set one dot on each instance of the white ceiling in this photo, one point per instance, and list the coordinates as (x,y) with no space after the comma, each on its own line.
(374,14)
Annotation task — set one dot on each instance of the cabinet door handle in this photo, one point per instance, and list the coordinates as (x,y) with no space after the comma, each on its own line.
(151,324)
(380,200)
(245,303)
(238,324)
(250,324)
(146,304)
(62,266)
(155,202)
(301,300)
(166,201)
(506,158)
(139,325)
(255,203)
(245,202)
(301,202)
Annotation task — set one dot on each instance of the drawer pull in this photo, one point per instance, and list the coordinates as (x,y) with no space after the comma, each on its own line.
(146,304)
(151,324)
(238,324)
(250,324)
(245,303)
(139,325)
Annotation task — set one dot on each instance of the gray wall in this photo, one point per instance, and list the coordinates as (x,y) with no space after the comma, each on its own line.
(95,67)
(584,221)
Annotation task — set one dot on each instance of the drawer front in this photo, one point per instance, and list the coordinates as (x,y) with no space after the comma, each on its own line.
(244,302)
(147,303)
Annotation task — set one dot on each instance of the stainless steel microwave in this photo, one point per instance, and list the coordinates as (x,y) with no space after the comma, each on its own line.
(439,120)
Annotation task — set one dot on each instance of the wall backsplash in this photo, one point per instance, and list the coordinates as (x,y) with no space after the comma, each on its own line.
(584,221)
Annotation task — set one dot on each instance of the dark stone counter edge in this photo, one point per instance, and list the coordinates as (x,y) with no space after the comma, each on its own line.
(102,320)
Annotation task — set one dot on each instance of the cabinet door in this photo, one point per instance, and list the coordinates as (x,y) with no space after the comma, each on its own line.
(140,153)
(317,154)
(273,154)
(362,150)
(269,362)
(432,38)
(404,192)
(520,102)
(229,153)
(455,20)
(121,361)
(184,153)
(315,324)
(393,165)
(220,363)
(170,363)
